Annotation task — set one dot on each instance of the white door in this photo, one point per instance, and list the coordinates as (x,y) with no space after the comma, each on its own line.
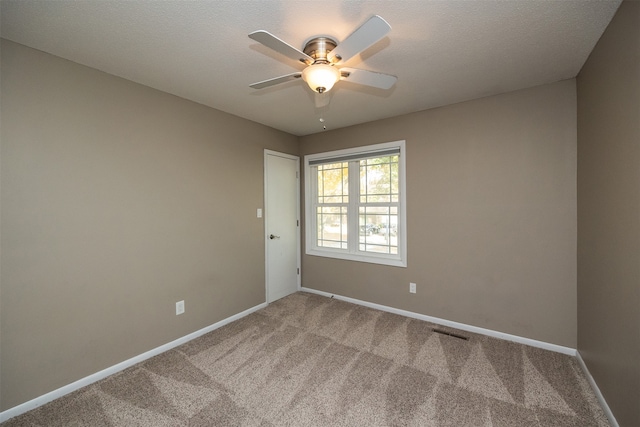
(282,226)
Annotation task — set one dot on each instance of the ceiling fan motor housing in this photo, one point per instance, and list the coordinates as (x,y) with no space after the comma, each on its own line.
(318,48)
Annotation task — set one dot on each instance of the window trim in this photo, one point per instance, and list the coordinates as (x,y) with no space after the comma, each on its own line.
(353,253)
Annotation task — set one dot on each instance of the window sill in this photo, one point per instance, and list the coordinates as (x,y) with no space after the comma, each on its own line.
(371,259)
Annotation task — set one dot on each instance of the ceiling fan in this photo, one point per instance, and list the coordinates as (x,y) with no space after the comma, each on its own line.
(323,55)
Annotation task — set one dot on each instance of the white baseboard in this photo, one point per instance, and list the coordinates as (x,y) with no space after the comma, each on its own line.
(46,398)
(463,327)
(596,390)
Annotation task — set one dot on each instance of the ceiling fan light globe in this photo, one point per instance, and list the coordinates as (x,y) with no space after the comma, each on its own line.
(320,77)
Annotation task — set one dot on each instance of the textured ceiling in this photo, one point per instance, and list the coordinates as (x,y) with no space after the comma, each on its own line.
(443,51)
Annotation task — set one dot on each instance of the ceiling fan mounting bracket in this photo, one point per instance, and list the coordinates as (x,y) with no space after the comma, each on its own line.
(318,48)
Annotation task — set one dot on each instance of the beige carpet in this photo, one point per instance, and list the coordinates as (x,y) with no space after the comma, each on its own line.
(308,360)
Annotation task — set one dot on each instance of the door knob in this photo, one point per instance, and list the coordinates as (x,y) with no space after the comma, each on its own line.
(273,236)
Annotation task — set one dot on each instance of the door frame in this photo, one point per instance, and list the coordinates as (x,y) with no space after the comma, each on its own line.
(267,153)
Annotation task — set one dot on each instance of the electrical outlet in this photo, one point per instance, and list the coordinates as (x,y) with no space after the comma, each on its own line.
(412,288)
(179,307)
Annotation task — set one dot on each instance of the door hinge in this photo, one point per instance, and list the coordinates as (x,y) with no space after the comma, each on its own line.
(297,223)
(298,270)
(297,174)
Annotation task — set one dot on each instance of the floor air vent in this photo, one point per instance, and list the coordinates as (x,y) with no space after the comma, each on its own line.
(451,334)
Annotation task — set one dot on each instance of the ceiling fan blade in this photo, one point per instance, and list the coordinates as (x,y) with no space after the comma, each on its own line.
(276,81)
(284,48)
(368,33)
(368,78)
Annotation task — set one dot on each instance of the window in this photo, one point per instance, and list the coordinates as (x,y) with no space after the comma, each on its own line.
(355,204)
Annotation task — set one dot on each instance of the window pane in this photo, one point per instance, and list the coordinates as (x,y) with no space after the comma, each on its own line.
(379,180)
(333,183)
(378,229)
(394,182)
(332,227)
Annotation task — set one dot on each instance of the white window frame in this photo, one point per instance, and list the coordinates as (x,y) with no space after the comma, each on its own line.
(353,253)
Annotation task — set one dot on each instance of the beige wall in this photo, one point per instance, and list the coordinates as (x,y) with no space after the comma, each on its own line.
(609,214)
(117,201)
(491,194)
